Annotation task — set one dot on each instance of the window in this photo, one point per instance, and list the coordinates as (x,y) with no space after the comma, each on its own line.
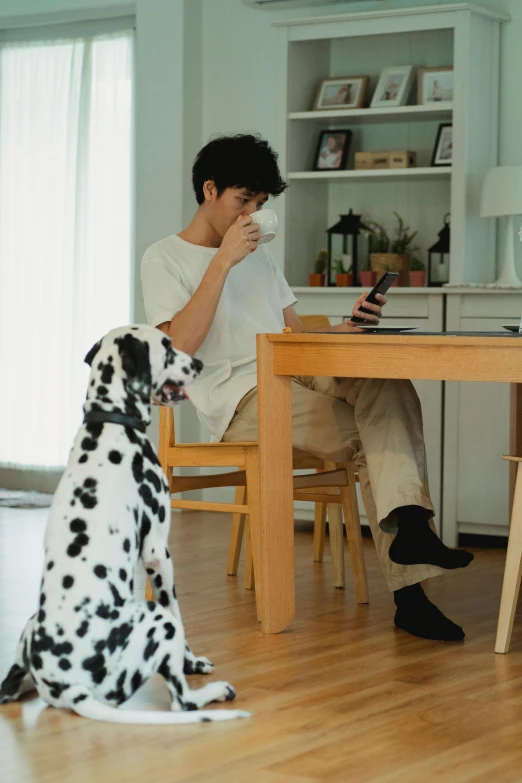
(66,194)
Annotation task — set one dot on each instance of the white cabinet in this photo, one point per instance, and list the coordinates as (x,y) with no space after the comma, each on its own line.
(476,427)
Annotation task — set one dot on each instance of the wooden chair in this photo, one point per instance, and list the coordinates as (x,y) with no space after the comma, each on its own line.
(332,485)
(513,568)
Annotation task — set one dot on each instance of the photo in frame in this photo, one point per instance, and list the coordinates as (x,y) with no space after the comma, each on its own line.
(344,92)
(332,150)
(393,87)
(443,149)
(435,85)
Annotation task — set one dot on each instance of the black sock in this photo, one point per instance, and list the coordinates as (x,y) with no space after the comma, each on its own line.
(418,616)
(416,543)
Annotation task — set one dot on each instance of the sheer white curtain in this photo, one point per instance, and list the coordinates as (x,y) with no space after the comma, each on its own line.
(65,231)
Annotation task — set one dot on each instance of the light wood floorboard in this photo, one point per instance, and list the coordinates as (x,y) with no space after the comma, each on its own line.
(341,696)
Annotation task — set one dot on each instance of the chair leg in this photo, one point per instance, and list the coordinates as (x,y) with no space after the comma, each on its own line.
(319,530)
(249,560)
(354,535)
(335,525)
(254,520)
(512,572)
(236,534)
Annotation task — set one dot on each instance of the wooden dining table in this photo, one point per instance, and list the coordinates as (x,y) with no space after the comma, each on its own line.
(439,357)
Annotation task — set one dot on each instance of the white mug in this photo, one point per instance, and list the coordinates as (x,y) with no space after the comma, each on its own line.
(268,225)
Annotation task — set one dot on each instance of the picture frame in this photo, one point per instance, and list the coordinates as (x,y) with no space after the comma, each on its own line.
(342,92)
(393,87)
(332,150)
(443,149)
(435,85)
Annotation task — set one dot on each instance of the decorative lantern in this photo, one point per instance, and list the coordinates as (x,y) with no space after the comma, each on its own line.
(348,229)
(439,256)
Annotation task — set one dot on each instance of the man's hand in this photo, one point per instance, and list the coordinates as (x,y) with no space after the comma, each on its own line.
(241,239)
(376,310)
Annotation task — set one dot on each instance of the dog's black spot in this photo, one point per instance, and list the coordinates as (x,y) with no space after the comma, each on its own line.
(36,661)
(64,664)
(148,452)
(153,479)
(170,630)
(75,549)
(100,646)
(84,458)
(150,649)
(107,373)
(158,617)
(59,630)
(89,444)
(42,599)
(164,598)
(118,694)
(77,492)
(79,698)
(78,526)
(131,435)
(41,616)
(82,630)
(95,664)
(103,611)
(174,592)
(67,582)
(148,498)
(123,575)
(65,648)
(50,565)
(144,529)
(12,682)
(167,554)
(94,429)
(141,618)
(88,501)
(118,636)
(161,513)
(137,468)
(150,571)
(136,680)
(118,600)
(131,585)
(115,614)
(126,545)
(151,606)
(115,457)
(158,581)
(90,483)
(151,632)
(102,390)
(100,571)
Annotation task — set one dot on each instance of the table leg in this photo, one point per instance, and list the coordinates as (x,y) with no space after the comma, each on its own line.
(515,437)
(275,572)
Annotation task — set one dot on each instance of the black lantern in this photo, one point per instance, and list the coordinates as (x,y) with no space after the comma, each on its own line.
(439,256)
(348,228)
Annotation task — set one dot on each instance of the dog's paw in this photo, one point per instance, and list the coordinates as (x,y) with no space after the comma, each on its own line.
(193,665)
(228,694)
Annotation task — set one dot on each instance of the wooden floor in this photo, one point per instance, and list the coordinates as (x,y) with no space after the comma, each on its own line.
(342,696)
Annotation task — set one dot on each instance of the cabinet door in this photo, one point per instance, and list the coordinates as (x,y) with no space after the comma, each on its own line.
(476,479)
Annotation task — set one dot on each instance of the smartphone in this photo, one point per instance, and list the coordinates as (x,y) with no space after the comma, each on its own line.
(381,287)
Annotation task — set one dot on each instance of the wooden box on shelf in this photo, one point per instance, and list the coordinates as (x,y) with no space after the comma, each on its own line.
(395,159)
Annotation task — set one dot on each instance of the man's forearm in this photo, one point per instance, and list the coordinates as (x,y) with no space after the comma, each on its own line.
(189,328)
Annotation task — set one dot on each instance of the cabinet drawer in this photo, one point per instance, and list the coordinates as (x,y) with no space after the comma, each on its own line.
(506,306)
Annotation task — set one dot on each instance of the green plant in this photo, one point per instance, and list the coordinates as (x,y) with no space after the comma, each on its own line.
(416,265)
(320,262)
(338,266)
(398,242)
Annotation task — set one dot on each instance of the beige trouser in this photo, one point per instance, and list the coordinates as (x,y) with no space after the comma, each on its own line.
(378,424)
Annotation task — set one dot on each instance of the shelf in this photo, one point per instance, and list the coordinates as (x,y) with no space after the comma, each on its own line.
(441,111)
(427,172)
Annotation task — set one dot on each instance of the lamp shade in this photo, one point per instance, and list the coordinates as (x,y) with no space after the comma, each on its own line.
(502,192)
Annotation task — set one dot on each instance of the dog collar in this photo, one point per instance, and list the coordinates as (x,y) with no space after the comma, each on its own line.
(96,417)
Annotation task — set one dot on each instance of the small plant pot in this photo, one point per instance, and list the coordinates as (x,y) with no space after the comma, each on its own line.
(368,279)
(343,279)
(316,280)
(392,262)
(417,278)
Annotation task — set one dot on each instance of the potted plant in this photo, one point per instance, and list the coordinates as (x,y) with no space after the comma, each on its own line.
(390,250)
(417,272)
(316,279)
(368,278)
(343,277)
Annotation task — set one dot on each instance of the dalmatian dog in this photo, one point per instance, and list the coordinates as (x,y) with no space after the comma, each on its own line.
(91,645)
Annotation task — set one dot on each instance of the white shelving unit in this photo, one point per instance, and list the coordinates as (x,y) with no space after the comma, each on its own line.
(462,35)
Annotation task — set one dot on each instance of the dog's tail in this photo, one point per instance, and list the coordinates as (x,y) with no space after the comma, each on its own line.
(80,701)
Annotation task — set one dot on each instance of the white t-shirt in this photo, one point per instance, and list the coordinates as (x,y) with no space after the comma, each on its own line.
(252,302)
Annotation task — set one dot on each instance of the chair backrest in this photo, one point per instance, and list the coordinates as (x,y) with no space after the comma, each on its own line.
(315,321)
(167,433)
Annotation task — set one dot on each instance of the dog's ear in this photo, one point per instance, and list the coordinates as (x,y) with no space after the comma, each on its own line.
(92,353)
(135,359)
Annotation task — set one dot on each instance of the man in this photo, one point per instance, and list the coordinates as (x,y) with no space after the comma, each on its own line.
(212,288)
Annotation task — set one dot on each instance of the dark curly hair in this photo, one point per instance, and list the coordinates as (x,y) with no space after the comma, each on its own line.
(241,161)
